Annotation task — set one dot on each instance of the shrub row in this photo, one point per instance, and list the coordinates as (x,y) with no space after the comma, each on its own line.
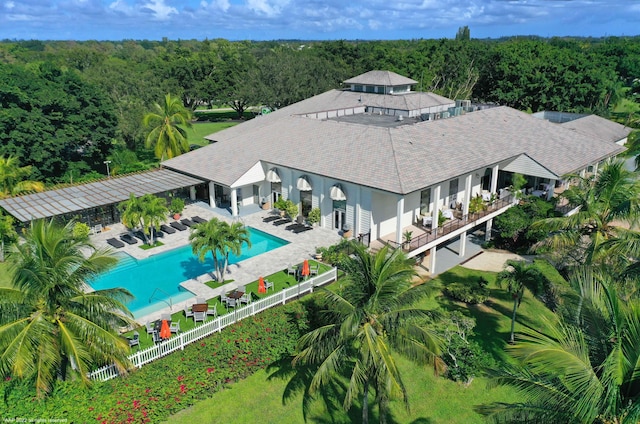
(170,384)
(468,292)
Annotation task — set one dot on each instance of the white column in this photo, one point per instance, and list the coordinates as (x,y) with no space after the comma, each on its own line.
(399,213)
(435,213)
(552,186)
(467,195)
(463,244)
(487,235)
(192,192)
(292,183)
(494,179)
(432,260)
(212,194)
(358,212)
(320,201)
(234,202)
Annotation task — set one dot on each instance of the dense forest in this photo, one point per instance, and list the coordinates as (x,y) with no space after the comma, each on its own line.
(68,106)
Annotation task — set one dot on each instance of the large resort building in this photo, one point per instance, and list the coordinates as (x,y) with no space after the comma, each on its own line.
(379,159)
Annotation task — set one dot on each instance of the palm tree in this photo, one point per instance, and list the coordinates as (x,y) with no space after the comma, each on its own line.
(236,236)
(520,276)
(584,370)
(211,237)
(604,201)
(147,211)
(49,326)
(367,323)
(7,232)
(167,136)
(12,178)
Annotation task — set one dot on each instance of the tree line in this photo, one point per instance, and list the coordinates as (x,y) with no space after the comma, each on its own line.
(66,106)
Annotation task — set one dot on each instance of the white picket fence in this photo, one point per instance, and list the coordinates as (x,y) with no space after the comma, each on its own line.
(152,353)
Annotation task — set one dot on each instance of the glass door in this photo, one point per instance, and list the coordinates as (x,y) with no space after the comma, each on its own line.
(339,214)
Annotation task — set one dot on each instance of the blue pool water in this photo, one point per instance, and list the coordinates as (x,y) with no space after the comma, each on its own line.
(155,281)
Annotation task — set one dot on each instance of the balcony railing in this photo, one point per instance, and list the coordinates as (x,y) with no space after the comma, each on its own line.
(452,225)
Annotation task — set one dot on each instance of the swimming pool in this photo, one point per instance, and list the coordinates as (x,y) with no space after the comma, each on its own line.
(154,282)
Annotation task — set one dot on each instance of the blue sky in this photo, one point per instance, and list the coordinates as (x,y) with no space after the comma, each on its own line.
(312,19)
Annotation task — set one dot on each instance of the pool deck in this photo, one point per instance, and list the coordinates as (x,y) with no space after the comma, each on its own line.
(301,246)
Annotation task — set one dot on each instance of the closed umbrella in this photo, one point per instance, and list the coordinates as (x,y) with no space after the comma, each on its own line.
(261,287)
(165,331)
(305,268)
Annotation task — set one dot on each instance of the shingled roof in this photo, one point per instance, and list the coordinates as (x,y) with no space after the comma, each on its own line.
(385,78)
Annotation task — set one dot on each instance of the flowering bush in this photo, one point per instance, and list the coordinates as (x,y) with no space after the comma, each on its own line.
(170,384)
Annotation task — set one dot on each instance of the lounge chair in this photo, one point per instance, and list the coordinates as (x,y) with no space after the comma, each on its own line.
(167,229)
(187,222)
(271,218)
(281,222)
(198,220)
(302,229)
(128,238)
(178,226)
(140,235)
(292,227)
(115,243)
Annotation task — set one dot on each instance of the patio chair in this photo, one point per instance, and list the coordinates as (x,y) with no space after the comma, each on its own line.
(199,316)
(292,270)
(188,313)
(135,340)
(166,317)
(246,298)
(151,327)
(313,269)
(175,327)
(96,229)
(115,243)
(231,303)
(201,300)
(224,299)
(268,285)
(213,311)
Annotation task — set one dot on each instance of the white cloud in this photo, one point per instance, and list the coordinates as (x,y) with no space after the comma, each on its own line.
(160,10)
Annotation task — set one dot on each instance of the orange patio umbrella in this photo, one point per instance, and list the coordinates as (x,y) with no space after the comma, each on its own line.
(165,331)
(305,268)
(261,287)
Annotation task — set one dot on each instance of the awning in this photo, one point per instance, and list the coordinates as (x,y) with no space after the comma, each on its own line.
(92,195)
(336,193)
(303,184)
(272,176)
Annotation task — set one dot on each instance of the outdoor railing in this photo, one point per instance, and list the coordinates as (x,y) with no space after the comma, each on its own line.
(452,225)
(178,342)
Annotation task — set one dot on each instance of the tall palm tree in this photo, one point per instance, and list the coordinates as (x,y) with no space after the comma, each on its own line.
(237,235)
(13,178)
(167,135)
(147,211)
(371,319)
(584,370)
(210,237)
(613,196)
(519,275)
(49,326)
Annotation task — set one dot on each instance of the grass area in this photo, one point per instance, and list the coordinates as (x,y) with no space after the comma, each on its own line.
(433,399)
(156,243)
(200,130)
(280,280)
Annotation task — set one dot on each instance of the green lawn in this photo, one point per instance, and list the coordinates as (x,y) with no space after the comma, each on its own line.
(201,129)
(433,400)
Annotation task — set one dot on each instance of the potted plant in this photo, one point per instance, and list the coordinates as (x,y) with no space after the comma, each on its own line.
(176,207)
(314,216)
(291,209)
(318,255)
(281,205)
(476,204)
(407,236)
(266,205)
(346,231)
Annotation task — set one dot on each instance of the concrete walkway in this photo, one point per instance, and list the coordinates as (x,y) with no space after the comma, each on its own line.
(301,246)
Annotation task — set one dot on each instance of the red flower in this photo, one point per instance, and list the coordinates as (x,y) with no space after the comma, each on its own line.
(136,404)
(202,344)
(210,370)
(247,340)
(8,378)
(180,377)
(147,390)
(183,388)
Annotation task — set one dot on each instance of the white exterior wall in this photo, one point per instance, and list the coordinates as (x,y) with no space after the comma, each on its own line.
(383,208)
